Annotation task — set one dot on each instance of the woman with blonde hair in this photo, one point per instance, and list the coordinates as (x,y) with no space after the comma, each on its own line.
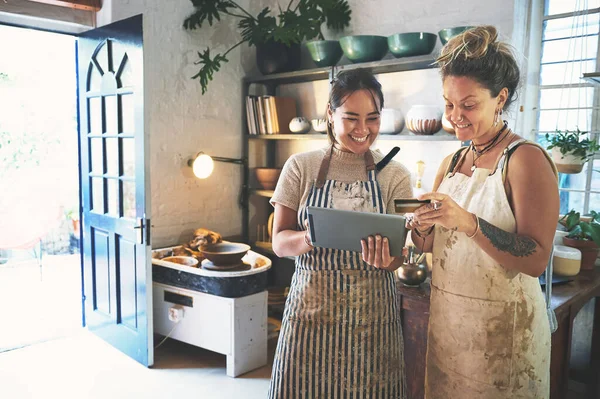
(490,227)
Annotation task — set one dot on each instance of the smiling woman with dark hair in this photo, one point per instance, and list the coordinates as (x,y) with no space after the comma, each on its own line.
(341,333)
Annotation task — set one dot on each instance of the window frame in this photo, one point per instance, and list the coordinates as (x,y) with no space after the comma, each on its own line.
(595,106)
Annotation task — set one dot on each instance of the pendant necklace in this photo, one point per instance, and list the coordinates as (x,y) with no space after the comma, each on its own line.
(487,146)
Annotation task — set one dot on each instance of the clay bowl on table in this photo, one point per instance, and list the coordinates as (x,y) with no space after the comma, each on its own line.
(182,260)
(225,253)
(411,44)
(364,48)
(267,177)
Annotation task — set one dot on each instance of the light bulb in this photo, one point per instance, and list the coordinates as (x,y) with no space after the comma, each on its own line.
(203,166)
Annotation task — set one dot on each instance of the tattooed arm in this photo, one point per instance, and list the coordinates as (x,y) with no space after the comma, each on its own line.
(532,192)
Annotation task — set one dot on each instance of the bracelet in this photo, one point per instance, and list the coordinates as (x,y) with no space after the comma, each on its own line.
(424,235)
(476,229)
(307,241)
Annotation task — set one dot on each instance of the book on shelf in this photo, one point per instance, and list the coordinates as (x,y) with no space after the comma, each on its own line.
(269,114)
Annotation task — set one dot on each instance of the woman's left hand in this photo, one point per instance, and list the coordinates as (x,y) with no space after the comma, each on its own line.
(376,253)
(444,212)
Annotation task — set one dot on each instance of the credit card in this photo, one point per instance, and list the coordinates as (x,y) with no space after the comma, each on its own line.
(409,205)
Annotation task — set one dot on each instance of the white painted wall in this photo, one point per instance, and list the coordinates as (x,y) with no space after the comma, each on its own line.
(180,121)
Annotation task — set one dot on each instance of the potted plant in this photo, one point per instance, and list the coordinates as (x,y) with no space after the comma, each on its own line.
(583,235)
(569,151)
(276,38)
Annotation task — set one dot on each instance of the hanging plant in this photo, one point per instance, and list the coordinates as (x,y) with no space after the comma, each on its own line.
(301,20)
(570,150)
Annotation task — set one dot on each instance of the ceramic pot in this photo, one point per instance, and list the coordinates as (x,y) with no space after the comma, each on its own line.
(414,269)
(392,121)
(411,44)
(299,125)
(325,52)
(319,125)
(424,119)
(589,251)
(567,163)
(267,177)
(274,57)
(448,33)
(364,48)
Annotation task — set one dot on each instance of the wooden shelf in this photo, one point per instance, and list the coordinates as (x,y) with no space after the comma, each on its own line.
(440,136)
(376,67)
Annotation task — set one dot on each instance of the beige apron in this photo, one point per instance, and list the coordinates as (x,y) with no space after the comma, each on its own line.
(489,335)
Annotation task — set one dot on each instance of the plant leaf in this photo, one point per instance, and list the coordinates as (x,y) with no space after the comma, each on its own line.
(209,67)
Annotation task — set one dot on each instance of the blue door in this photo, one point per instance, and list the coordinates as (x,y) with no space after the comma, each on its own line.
(115,226)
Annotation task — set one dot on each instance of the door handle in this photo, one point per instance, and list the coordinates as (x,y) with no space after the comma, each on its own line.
(139,226)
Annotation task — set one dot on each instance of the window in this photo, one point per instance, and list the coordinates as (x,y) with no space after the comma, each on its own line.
(569,49)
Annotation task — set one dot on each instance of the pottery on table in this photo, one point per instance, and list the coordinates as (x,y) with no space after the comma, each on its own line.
(182,260)
(411,44)
(566,261)
(225,253)
(414,269)
(299,125)
(364,48)
(392,121)
(424,119)
(319,125)
(267,177)
(448,33)
(325,52)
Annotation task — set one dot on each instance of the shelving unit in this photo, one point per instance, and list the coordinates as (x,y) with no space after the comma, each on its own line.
(271,82)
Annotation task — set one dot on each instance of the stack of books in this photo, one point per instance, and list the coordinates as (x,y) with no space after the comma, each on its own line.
(269,114)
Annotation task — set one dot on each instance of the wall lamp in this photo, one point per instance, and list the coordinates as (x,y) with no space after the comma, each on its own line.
(203,165)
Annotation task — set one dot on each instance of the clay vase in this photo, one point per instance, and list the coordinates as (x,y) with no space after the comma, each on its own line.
(424,119)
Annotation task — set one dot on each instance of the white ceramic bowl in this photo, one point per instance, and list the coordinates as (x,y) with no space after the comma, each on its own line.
(182,260)
(319,125)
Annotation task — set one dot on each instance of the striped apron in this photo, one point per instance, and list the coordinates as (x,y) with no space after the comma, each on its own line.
(340,335)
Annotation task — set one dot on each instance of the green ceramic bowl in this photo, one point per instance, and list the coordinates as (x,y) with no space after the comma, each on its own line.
(411,44)
(449,33)
(364,48)
(325,52)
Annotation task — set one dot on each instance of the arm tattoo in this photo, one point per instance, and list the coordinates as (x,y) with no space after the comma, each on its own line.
(507,242)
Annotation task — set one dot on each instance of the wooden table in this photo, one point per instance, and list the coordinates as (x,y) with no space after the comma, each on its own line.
(567,301)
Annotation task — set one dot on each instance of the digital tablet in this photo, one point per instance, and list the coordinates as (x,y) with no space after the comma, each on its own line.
(409,205)
(337,229)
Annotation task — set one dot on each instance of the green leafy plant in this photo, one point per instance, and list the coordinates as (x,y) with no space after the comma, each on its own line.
(581,230)
(571,142)
(300,20)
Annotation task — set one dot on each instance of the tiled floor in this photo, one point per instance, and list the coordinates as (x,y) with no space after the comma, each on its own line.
(85,367)
(66,361)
